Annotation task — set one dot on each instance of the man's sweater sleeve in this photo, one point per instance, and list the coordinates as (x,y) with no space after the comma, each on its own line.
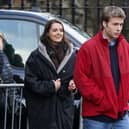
(83,78)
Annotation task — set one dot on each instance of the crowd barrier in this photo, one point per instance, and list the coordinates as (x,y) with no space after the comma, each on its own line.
(13,113)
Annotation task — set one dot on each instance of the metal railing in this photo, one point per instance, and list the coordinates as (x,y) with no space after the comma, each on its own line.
(12,108)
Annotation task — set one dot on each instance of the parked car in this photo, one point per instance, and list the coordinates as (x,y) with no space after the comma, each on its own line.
(22,30)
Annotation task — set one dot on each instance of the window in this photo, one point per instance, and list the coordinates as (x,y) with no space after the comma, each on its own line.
(22,37)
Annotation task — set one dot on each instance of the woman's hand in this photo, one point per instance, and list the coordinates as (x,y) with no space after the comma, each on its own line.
(57,84)
(72,85)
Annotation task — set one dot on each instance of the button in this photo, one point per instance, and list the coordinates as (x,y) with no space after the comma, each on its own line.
(63,71)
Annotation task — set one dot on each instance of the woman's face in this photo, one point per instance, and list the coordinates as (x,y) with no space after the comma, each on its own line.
(1,44)
(56,32)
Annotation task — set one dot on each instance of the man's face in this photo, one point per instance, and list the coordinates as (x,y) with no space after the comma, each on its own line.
(113,28)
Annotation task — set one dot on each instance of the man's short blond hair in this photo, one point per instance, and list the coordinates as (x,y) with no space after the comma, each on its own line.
(112,11)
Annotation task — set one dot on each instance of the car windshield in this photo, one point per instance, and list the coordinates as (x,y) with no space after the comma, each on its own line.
(21,36)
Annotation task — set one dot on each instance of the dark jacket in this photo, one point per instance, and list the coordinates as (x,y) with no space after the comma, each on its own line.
(48,109)
(94,80)
(6,76)
(5,68)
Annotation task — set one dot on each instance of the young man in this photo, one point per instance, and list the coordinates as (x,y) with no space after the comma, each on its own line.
(102,74)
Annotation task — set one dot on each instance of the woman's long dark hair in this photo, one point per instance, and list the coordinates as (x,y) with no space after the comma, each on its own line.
(44,37)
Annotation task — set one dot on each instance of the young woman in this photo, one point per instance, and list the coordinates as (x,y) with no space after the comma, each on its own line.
(48,80)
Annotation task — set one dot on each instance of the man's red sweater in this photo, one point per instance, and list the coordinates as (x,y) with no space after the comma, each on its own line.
(94,80)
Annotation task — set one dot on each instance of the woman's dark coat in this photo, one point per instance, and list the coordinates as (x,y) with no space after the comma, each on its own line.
(48,109)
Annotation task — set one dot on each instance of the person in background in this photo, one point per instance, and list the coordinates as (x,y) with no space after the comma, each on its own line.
(49,80)
(102,74)
(6,76)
